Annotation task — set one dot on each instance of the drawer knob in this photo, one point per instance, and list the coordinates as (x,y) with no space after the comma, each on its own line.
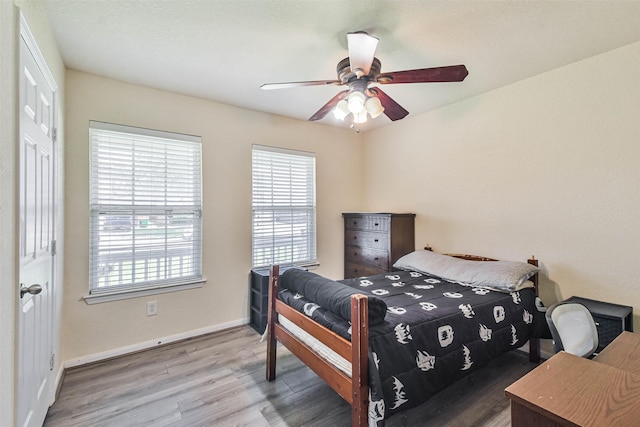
(375,240)
(375,225)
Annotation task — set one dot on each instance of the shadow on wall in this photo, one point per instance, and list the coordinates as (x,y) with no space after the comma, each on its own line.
(548,290)
(549,293)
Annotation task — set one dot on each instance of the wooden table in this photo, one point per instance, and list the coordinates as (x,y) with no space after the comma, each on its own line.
(568,390)
(623,352)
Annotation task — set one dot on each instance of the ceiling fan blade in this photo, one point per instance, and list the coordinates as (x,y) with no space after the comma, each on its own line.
(288,85)
(451,73)
(362,48)
(329,106)
(392,109)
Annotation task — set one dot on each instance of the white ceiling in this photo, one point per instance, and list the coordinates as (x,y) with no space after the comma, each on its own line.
(224,50)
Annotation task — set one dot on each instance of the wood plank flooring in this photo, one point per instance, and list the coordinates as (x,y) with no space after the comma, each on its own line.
(219,380)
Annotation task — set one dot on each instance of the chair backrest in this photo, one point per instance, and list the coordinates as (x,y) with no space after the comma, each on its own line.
(572,328)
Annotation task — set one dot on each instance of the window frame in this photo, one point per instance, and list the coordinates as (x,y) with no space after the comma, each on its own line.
(300,212)
(149,216)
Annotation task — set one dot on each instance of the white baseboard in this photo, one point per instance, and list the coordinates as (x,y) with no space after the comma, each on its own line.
(58,383)
(149,344)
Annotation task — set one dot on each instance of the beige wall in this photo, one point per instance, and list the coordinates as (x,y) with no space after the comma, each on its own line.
(548,166)
(545,167)
(37,21)
(227,135)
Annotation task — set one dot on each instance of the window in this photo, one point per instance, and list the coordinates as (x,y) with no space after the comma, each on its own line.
(284,207)
(145,209)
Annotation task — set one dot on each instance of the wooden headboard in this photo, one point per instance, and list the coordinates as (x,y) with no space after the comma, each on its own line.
(465,256)
(472,257)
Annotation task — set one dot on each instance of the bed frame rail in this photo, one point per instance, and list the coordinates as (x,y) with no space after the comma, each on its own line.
(534,343)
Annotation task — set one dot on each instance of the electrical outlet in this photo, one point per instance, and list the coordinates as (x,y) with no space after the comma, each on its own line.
(152,308)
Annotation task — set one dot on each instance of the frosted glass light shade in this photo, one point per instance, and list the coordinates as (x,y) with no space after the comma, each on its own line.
(342,110)
(360,117)
(373,107)
(356,102)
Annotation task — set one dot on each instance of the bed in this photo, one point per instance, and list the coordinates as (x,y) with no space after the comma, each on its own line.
(389,342)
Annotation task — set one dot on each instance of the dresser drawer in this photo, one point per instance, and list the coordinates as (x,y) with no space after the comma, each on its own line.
(366,239)
(368,223)
(375,257)
(359,270)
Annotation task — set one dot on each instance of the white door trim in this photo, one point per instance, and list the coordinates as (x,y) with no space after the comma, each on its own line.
(28,38)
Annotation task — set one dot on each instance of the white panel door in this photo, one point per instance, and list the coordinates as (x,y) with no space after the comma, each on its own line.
(35,324)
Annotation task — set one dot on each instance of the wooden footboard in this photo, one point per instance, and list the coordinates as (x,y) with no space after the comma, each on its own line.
(354,389)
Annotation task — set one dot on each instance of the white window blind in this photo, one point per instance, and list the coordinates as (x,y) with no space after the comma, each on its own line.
(145,208)
(284,207)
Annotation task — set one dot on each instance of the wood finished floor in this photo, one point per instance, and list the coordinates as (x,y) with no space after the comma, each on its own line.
(219,380)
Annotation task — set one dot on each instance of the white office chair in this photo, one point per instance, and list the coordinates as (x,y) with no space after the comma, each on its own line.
(572,328)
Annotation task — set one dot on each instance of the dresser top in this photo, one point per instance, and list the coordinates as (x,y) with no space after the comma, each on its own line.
(376,213)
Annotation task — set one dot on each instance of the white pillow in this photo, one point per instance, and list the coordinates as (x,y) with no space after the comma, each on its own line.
(507,276)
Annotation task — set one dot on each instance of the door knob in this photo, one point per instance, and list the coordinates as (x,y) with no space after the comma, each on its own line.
(34,289)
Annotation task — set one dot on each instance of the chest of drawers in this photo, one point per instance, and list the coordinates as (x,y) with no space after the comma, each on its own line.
(373,242)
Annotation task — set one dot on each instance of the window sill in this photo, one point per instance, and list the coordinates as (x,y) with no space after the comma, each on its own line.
(307,266)
(310,266)
(140,292)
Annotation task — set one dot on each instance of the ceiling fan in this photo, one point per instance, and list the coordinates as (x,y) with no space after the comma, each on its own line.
(359,71)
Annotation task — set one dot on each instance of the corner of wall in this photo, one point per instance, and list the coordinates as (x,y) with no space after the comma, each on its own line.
(8,202)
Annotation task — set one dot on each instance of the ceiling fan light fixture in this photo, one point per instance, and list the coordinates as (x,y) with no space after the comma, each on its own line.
(342,110)
(356,102)
(374,107)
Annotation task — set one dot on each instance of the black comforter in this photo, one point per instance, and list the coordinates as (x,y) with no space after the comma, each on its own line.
(434,333)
